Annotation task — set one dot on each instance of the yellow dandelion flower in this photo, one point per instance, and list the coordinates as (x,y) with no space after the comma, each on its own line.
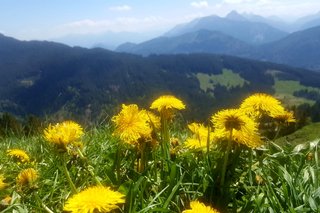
(27,177)
(94,199)
(19,154)
(153,120)
(250,139)
(63,134)
(244,129)
(131,124)
(200,136)
(193,143)
(218,134)
(198,207)
(284,117)
(174,142)
(6,201)
(234,119)
(166,104)
(2,183)
(259,104)
(259,180)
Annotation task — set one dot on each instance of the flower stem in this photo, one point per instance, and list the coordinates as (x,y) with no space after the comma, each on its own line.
(225,161)
(118,163)
(44,206)
(165,139)
(208,140)
(88,167)
(278,131)
(165,148)
(250,167)
(67,174)
(143,157)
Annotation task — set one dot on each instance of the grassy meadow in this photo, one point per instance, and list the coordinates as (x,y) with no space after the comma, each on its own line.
(227,78)
(150,160)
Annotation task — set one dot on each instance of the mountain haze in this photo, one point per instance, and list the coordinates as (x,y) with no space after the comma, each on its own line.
(193,42)
(301,48)
(306,22)
(233,25)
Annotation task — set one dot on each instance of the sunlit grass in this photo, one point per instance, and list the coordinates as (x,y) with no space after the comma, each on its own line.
(305,134)
(259,178)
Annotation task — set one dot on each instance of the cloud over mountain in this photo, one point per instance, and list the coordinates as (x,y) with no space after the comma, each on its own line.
(200,4)
(121,8)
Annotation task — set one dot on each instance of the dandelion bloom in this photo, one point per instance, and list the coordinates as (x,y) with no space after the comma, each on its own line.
(244,129)
(2,183)
(200,136)
(19,154)
(63,134)
(198,207)
(259,180)
(27,177)
(250,139)
(284,117)
(166,104)
(131,124)
(234,119)
(94,199)
(259,104)
(153,120)
(6,201)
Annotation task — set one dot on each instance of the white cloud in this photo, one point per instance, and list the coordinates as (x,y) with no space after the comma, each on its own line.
(287,9)
(240,1)
(120,24)
(199,4)
(121,8)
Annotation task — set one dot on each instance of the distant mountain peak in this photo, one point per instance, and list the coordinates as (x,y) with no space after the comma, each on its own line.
(235,16)
(126,46)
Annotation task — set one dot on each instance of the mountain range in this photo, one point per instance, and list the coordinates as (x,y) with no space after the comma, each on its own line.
(51,79)
(249,36)
(234,25)
(110,40)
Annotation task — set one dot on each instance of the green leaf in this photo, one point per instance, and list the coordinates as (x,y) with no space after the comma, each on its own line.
(312,204)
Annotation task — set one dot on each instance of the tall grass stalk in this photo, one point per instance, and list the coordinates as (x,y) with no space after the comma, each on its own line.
(67,174)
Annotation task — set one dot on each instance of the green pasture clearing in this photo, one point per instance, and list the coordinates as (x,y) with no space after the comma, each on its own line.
(306,134)
(228,78)
(289,87)
(284,90)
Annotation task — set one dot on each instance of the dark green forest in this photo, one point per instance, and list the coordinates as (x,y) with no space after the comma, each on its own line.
(53,80)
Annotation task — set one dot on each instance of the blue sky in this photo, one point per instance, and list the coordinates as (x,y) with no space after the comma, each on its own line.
(45,19)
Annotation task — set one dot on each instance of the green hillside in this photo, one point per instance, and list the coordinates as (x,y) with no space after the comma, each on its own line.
(50,79)
(306,134)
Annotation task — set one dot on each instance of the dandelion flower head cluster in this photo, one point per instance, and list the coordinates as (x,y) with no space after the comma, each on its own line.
(63,134)
(284,117)
(2,183)
(166,104)
(198,207)
(19,154)
(94,199)
(260,104)
(153,120)
(199,138)
(244,129)
(27,177)
(6,201)
(132,123)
